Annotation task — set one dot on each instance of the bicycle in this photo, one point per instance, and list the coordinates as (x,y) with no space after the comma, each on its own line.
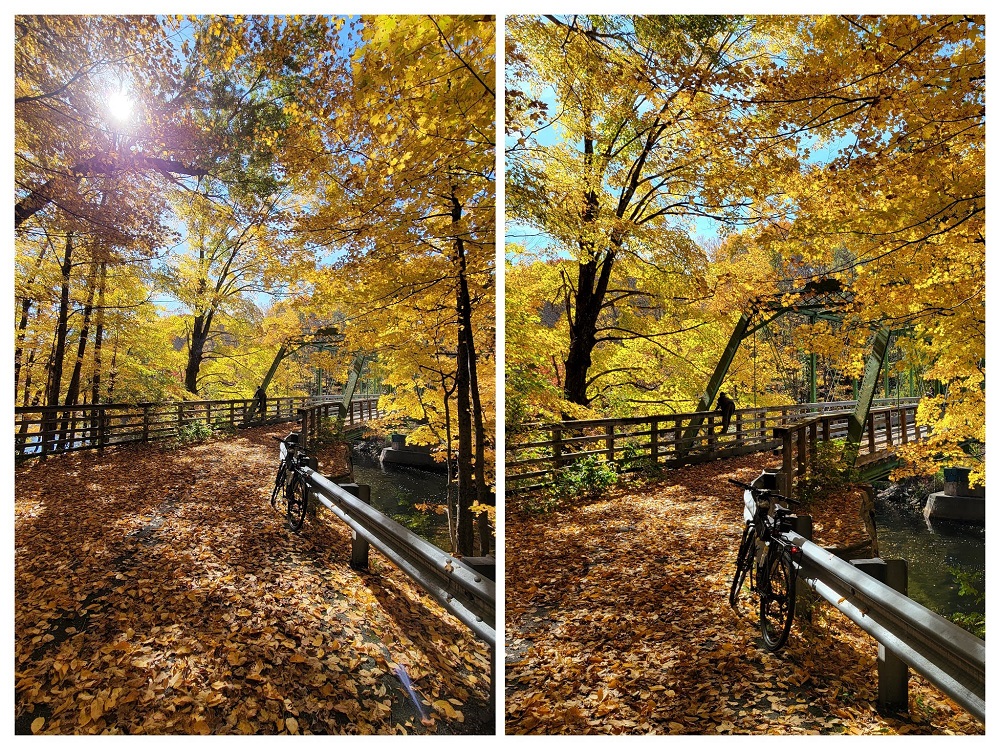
(290,484)
(770,562)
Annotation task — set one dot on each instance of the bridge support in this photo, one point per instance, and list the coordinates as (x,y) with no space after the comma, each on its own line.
(866,394)
(893,674)
(357,366)
(740,332)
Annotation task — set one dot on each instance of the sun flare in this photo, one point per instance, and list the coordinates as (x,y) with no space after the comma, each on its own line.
(120,105)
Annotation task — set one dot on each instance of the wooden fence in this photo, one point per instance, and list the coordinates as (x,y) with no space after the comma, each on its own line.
(40,431)
(360,410)
(535,452)
(886,427)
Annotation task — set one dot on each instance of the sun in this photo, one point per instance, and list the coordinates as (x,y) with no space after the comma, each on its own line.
(120,106)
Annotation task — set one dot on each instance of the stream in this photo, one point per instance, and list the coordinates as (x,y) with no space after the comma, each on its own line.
(396,489)
(931,552)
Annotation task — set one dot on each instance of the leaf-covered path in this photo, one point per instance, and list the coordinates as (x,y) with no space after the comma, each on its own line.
(156,591)
(618,621)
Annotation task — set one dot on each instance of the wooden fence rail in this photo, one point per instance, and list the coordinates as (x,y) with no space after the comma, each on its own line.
(536,452)
(886,427)
(41,431)
(312,417)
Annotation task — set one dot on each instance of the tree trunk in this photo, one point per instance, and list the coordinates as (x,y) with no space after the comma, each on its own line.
(113,371)
(73,391)
(55,379)
(22,324)
(465,331)
(196,352)
(95,393)
(593,275)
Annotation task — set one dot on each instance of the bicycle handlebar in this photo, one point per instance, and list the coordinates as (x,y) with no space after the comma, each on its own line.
(763,491)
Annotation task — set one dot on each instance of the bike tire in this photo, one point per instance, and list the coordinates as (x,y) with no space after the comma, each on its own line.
(279,484)
(744,562)
(298,500)
(777,601)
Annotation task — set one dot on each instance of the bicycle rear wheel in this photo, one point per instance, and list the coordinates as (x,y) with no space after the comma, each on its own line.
(279,483)
(744,561)
(298,498)
(777,600)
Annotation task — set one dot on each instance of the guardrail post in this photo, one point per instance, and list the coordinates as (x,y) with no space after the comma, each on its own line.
(893,674)
(493,679)
(805,598)
(359,545)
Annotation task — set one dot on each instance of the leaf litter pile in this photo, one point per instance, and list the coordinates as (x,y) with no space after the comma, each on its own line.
(618,621)
(157,591)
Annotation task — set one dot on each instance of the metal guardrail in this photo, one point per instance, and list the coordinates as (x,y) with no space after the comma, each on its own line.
(464,592)
(459,588)
(950,657)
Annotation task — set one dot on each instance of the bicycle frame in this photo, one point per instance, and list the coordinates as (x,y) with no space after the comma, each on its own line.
(771,564)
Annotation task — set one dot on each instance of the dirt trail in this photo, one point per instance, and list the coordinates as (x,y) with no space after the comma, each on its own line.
(618,621)
(156,591)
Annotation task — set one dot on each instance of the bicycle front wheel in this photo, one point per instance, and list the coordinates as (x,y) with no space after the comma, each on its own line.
(777,601)
(298,499)
(744,561)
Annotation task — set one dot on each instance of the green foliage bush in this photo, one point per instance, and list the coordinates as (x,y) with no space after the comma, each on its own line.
(583,478)
(194,432)
(825,476)
(974,622)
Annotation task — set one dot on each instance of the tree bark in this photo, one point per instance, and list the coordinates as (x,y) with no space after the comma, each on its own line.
(22,323)
(463,417)
(196,352)
(465,330)
(55,379)
(73,390)
(95,394)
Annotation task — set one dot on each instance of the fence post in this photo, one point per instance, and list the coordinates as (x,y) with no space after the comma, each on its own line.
(609,442)
(871,434)
(557,446)
(813,429)
(304,430)
(904,438)
(145,423)
(711,433)
(359,545)
(893,674)
(888,428)
(802,451)
(102,429)
(654,445)
(180,415)
(739,428)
